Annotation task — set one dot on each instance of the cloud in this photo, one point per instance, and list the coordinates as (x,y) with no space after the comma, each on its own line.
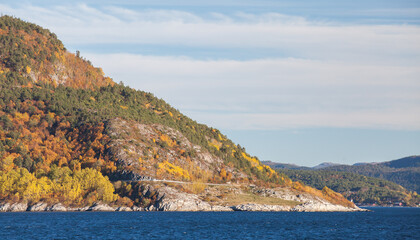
(292,36)
(396,120)
(276,93)
(319,73)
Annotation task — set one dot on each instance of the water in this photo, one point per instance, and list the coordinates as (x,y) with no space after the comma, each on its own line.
(382,223)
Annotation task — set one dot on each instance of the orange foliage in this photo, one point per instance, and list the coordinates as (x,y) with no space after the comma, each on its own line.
(76,148)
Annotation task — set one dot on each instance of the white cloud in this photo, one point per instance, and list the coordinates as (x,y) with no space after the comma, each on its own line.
(276,93)
(326,74)
(291,35)
(396,120)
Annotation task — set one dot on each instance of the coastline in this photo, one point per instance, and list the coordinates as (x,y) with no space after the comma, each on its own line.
(100,207)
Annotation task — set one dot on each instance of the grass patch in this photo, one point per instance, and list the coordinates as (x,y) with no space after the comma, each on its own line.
(236,199)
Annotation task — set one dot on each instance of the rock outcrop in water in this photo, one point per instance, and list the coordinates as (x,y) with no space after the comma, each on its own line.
(38,207)
(14,207)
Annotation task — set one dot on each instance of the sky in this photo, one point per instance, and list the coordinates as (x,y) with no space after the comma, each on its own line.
(300,82)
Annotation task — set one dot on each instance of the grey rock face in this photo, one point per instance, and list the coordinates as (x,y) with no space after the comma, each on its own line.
(38,207)
(123,209)
(217,208)
(322,206)
(173,200)
(169,199)
(136,209)
(251,207)
(58,207)
(4,207)
(18,207)
(99,207)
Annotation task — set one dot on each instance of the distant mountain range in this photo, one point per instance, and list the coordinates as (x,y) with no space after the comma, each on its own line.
(297,167)
(404,171)
(365,183)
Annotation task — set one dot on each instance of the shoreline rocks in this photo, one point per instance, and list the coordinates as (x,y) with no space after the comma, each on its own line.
(18,207)
(99,207)
(38,207)
(123,209)
(190,205)
(167,198)
(252,207)
(58,207)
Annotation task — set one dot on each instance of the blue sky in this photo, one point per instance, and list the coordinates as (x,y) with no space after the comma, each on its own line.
(300,82)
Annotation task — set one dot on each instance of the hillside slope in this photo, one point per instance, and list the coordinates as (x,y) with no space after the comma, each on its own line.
(404,171)
(361,189)
(70,135)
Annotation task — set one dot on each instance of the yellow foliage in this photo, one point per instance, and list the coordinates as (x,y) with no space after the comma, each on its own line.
(123,107)
(168,140)
(335,197)
(220,137)
(223,173)
(67,185)
(37,189)
(22,116)
(326,194)
(51,115)
(6,164)
(173,170)
(197,187)
(28,69)
(254,162)
(214,143)
(92,180)
(24,185)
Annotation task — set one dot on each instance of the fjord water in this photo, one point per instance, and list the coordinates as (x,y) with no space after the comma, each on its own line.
(381,223)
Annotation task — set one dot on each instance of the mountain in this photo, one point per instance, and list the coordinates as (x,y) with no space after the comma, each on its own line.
(407,162)
(71,137)
(276,165)
(404,171)
(361,189)
(361,163)
(325,165)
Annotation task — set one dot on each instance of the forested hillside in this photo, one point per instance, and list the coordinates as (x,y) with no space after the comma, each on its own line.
(66,130)
(404,171)
(356,187)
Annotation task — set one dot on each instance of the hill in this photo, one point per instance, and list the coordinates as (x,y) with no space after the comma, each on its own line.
(276,165)
(407,162)
(404,171)
(325,165)
(361,189)
(71,136)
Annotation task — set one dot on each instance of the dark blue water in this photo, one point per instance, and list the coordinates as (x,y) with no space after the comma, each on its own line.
(382,223)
